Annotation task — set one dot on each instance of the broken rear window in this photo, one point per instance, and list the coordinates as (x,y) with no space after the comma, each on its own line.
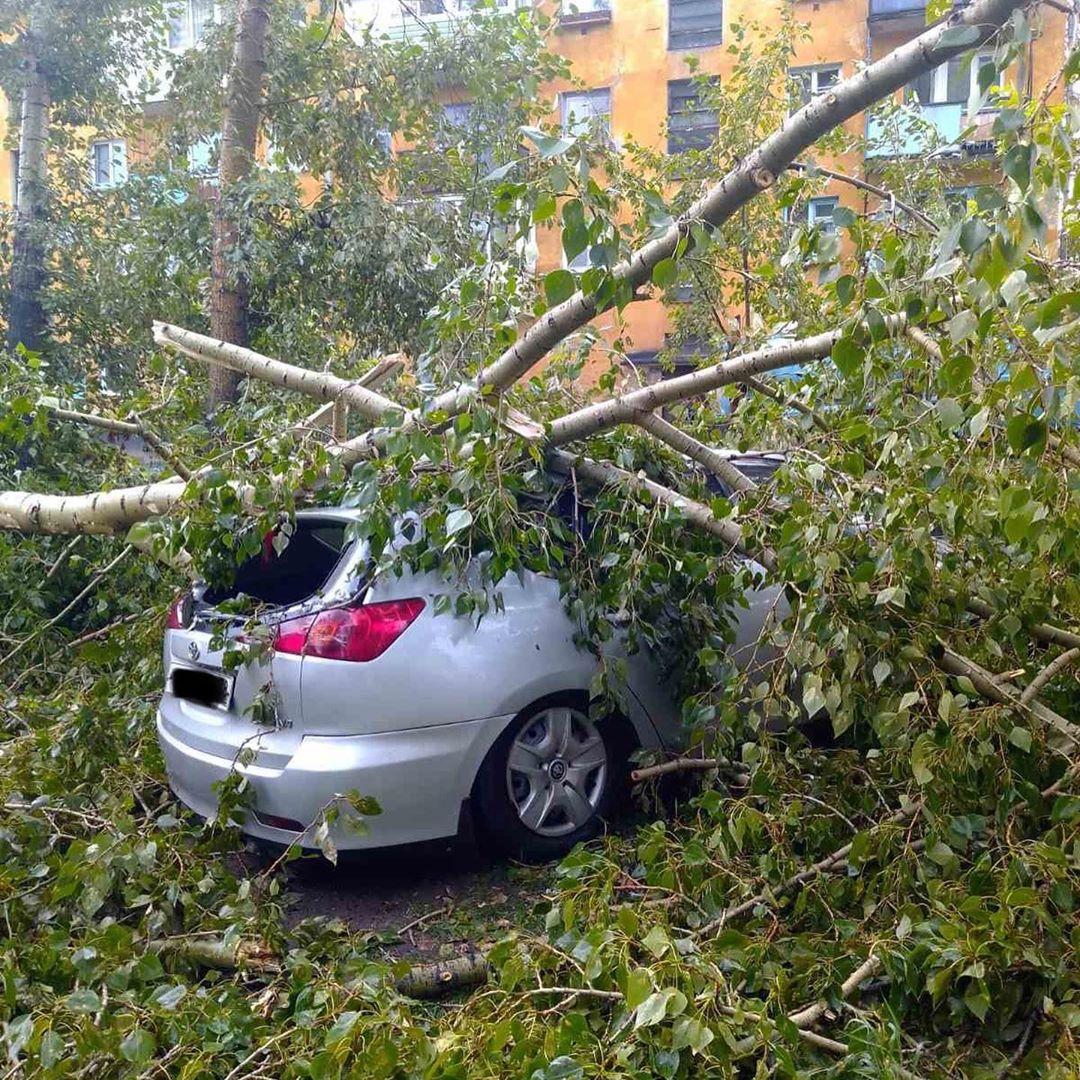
(293,573)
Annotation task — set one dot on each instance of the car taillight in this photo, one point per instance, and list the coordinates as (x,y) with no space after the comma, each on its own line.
(179,614)
(352,633)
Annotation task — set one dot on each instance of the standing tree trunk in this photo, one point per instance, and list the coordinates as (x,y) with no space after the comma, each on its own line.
(26,323)
(230,290)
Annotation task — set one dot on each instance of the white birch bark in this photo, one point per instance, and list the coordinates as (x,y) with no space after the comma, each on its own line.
(317,384)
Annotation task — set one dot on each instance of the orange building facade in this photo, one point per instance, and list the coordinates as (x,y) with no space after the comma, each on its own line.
(632,62)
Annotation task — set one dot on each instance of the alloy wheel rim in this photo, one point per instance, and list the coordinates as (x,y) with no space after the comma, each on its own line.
(556,771)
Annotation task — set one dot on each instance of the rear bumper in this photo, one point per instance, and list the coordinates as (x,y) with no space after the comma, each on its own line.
(420,778)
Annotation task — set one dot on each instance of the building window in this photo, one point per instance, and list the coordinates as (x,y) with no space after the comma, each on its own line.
(189,21)
(584,12)
(585,111)
(954,82)
(695,23)
(202,156)
(808,82)
(691,125)
(108,163)
(818,211)
(461,7)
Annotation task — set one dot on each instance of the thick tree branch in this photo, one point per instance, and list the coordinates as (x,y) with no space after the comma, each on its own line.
(602,415)
(697,451)
(1048,674)
(317,384)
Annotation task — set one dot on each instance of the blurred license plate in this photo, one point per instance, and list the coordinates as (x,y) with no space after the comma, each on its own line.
(201,687)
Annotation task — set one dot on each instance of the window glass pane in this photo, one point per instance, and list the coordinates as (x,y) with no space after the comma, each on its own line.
(102,159)
(801,88)
(690,125)
(820,212)
(202,17)
(581,110)
(694,23)
(827,77)
(921,91)
(958,80)
(177,25)
(202,156)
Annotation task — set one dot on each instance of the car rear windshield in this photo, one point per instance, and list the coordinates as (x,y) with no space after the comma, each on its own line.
(293,574)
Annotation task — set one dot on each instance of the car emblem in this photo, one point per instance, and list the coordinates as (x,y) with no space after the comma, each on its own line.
(193,650)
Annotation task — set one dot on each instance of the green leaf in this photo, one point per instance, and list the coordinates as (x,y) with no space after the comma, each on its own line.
(962,325)
(548,146)
(639,984)
(457,520)
(51,1049)
(168,997)
(950,413)
(1026,433)
(138,1046)
(1021,737)
(977,998)
(501,173)
(848,357)
(84,1001)
(545,208)
(665,272)
(656,941)
(1017,164)
(559,285)
(652,1010)
(690,1033)
(920,755)
(341,1028)
(958,37)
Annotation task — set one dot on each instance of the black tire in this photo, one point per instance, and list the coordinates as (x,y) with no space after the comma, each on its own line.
(497,819)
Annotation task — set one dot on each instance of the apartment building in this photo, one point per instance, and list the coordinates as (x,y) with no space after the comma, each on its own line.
(636,59)
(633,62)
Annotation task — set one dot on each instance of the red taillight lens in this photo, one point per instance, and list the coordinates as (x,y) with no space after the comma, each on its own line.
(292,634)
(179,614)
(355,633)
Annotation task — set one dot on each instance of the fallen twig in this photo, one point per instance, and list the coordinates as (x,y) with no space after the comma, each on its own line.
(684,764)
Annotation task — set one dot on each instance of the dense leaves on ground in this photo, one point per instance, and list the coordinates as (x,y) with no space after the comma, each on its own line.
(917,481)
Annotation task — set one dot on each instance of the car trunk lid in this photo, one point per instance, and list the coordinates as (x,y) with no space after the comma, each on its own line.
(226,689)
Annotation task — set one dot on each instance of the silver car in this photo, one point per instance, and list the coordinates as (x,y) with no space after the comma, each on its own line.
(443,720)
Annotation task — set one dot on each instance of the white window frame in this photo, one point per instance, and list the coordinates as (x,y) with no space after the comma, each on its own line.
(813,217)
(116,149)
(181,14)
(815,71)
(939,84)
(807,212)
(574,125)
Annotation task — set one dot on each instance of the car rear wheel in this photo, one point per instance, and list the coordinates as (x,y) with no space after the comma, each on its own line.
(553,778)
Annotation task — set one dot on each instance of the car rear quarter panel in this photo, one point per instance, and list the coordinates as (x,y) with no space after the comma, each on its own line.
(446,669)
